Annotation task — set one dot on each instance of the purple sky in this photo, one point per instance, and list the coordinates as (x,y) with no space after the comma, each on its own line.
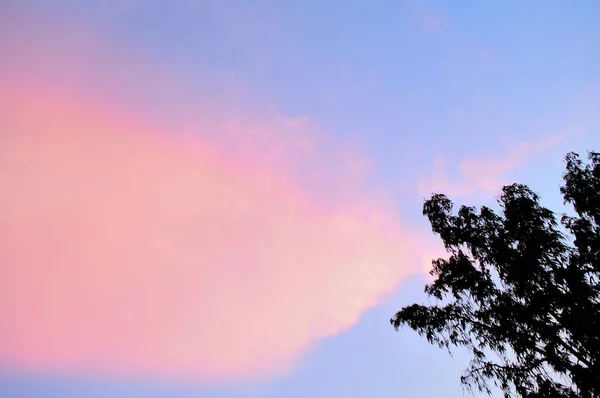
(334,119)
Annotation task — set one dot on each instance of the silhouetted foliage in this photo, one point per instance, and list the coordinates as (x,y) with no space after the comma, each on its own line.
(520,294)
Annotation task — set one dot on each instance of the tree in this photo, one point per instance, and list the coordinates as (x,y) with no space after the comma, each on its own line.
(520,293)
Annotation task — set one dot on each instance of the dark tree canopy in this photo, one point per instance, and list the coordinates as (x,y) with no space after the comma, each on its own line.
(518,291)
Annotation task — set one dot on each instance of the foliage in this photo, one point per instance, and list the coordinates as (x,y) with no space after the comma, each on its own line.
(518,292)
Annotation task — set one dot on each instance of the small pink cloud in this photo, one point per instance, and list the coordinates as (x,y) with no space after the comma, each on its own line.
(430,19)
(478,175)
(145,231)
(484,55)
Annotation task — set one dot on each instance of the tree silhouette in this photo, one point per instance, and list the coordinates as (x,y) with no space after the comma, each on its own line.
(522,295)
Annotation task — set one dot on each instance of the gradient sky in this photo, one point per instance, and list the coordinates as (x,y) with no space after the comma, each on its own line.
(222,198)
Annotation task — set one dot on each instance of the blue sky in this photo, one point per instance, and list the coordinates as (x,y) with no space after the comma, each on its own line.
(417,87)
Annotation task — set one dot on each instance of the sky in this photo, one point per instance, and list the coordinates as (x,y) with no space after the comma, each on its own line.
(223,198)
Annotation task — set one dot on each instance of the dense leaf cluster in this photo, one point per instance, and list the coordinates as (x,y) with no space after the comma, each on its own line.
(520,289)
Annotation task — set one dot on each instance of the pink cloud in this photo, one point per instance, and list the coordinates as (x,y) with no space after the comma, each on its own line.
(187,241)
(430,19)
(483,175)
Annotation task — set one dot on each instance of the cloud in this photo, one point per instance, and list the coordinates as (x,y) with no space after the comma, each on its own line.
(430,19)
(478,175)
(146,230)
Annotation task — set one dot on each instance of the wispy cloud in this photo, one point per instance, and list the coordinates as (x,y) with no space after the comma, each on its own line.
(430,19)
(483,175)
